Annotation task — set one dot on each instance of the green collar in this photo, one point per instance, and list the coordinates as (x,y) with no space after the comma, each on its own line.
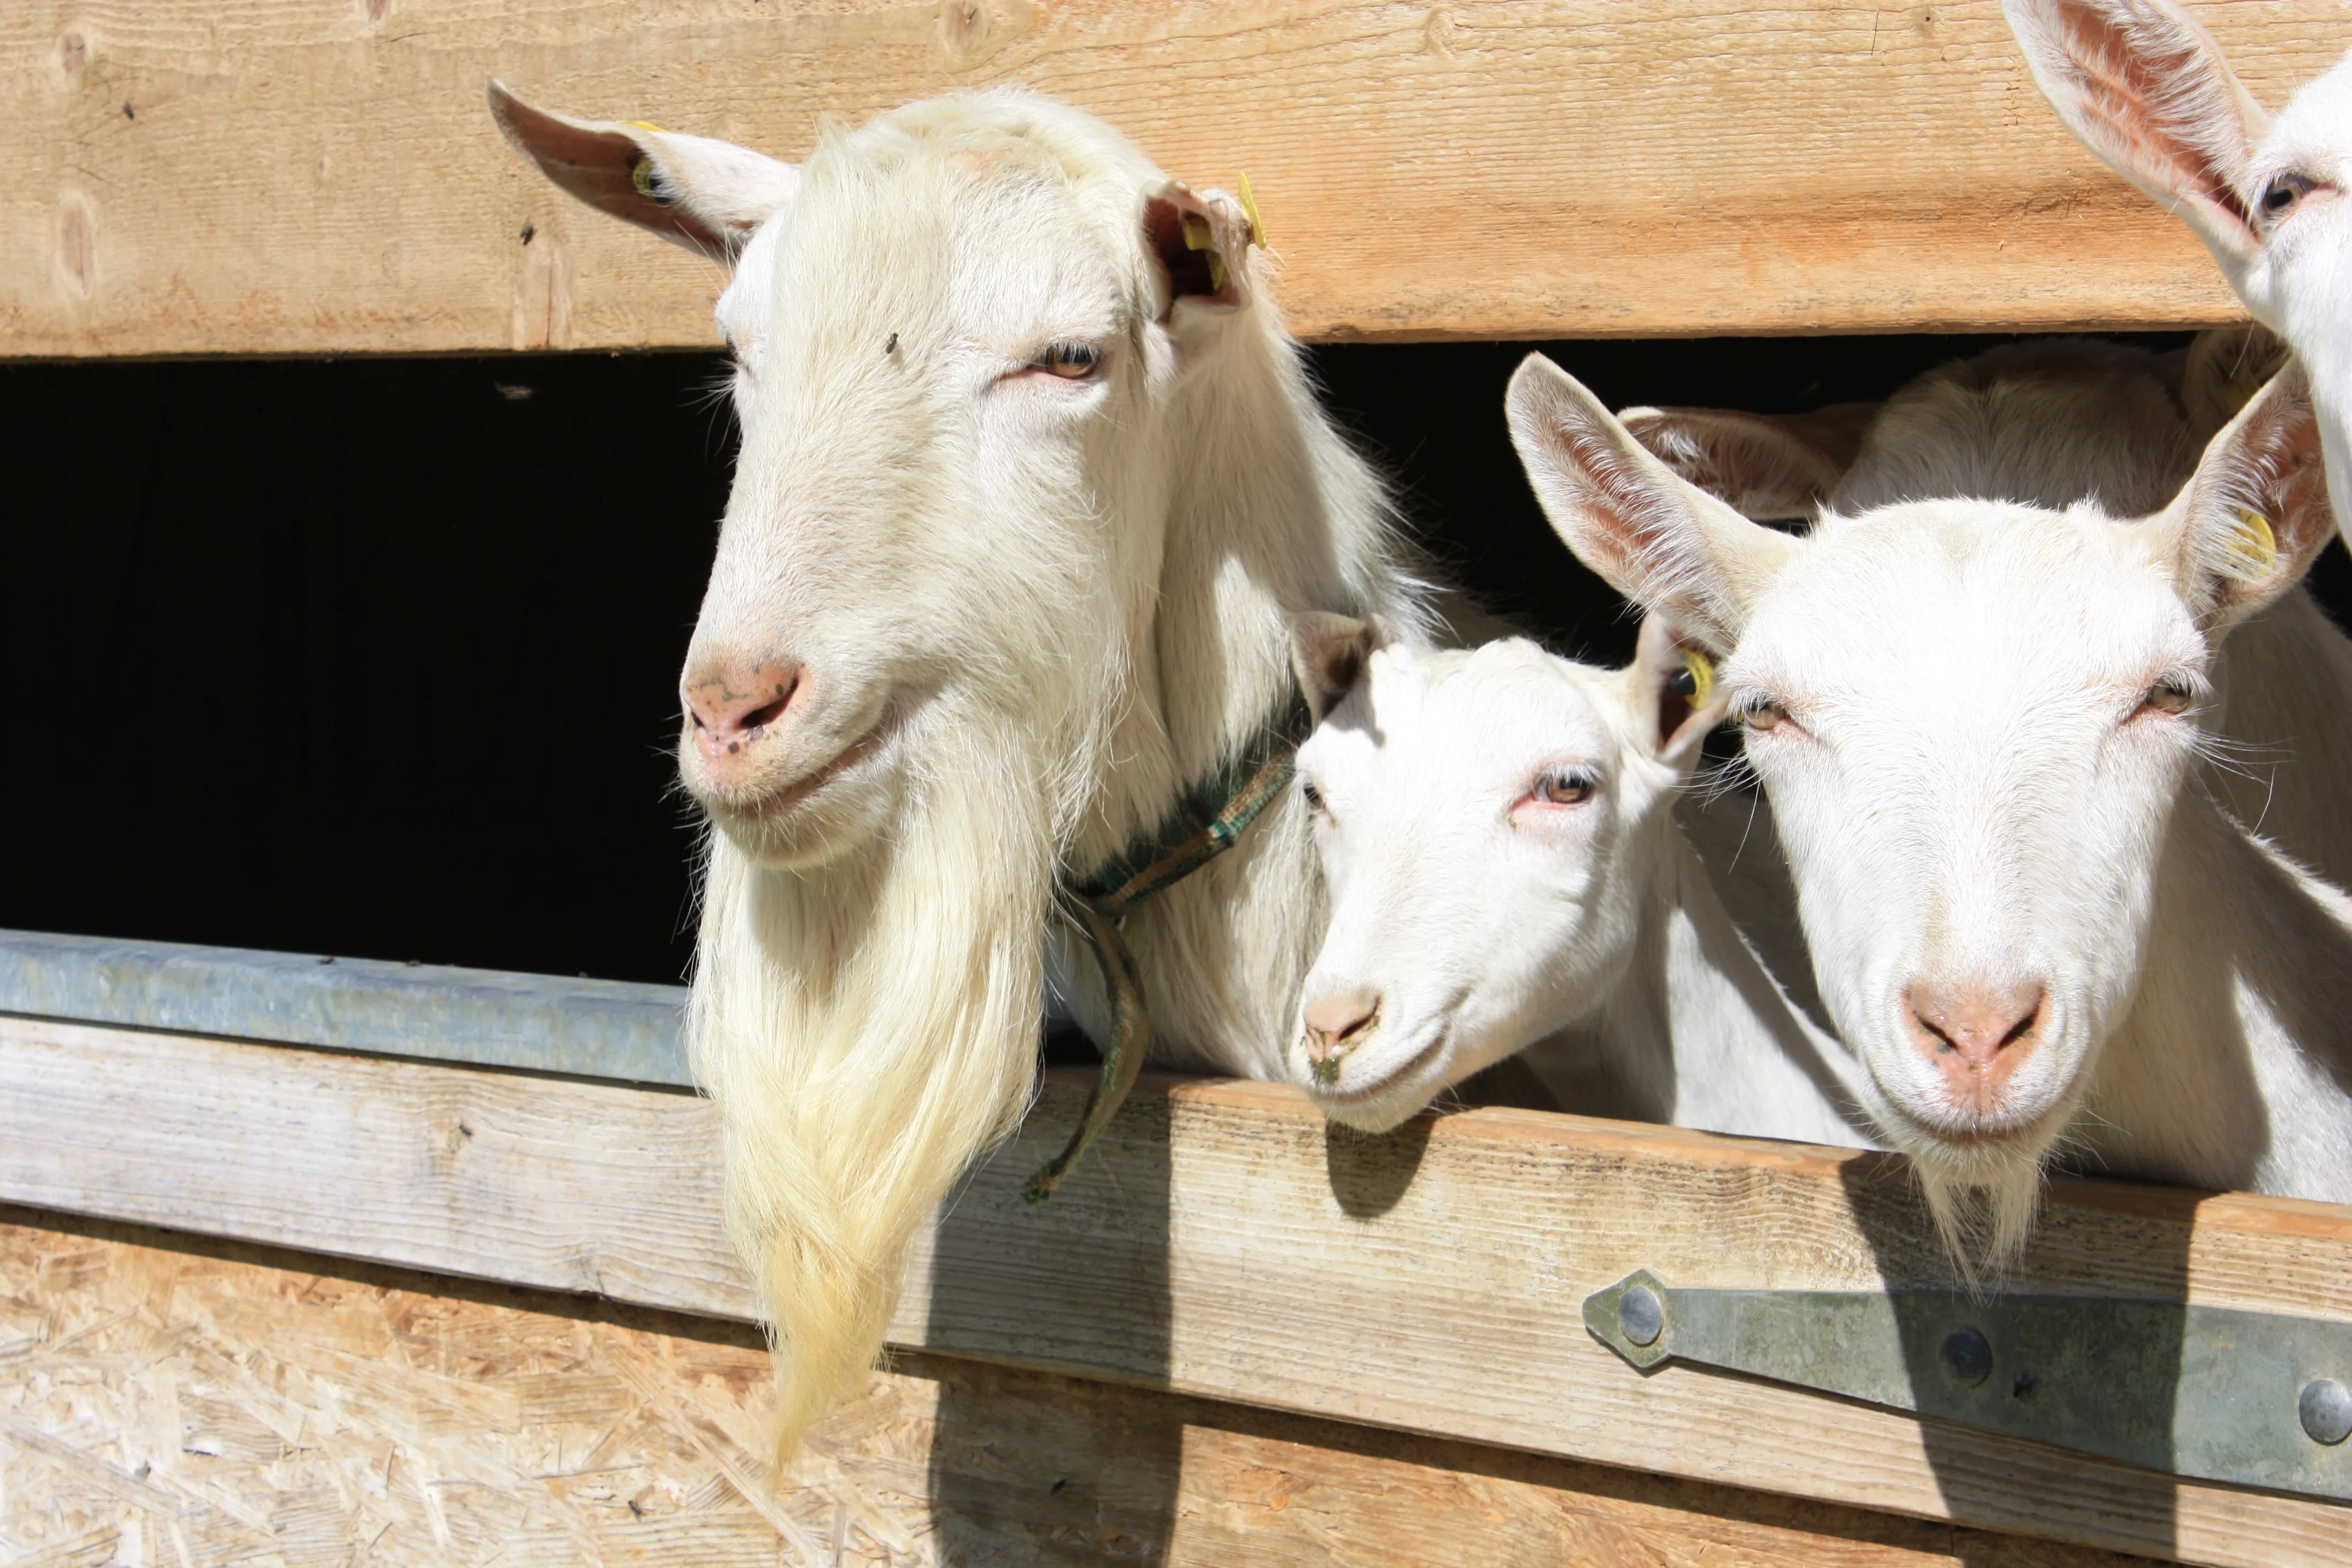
(1207,820)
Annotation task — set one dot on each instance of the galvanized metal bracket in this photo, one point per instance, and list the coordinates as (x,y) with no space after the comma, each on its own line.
(2248,1398)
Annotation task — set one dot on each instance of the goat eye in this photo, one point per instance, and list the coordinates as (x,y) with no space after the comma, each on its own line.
(1069,360)
(2169,697)
(2284,192)
(1314,797)
(1762,713)
(1563,788)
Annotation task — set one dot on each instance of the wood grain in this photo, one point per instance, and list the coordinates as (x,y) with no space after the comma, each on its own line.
(1222,1242)
(284,178)
(233,1404)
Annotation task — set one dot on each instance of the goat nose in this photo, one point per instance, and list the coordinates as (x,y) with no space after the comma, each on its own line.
(1976,1032)
(1335,1024)
(733,708)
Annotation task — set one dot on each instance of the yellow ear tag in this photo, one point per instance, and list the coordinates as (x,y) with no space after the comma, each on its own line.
(1199,235)
(2254,546)
(1694,681)
(1702,671)
(1249,205)
(641,173)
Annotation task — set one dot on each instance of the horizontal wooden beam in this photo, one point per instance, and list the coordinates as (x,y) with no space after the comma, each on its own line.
(1221,1242)
(199,179)
(327,1405)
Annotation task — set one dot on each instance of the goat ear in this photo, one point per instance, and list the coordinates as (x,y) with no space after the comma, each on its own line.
(1674,696)
(1201,241)
(1328,653)
(2254,516)
(2224,369)
(1654,536)
(707,195)
(1755,464)
(2149,92)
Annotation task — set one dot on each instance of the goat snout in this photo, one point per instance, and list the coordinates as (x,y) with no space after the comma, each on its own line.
(1337,1023)
(732,710)
(1976,1032)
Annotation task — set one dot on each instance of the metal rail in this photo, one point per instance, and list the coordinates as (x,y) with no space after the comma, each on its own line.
(485,1018)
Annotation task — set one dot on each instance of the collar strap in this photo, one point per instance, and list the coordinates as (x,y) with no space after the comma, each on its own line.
(1207,820)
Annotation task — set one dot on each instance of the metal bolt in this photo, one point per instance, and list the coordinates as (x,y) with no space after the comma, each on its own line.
(1640,1316)
(2326,1410)
(1967,1357)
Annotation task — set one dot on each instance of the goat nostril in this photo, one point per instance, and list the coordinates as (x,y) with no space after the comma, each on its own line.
(1974,1027)
(767,713)
(725,723)
(1335,1027)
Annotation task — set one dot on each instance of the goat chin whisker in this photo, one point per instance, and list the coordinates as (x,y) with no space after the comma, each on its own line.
(1983,1226)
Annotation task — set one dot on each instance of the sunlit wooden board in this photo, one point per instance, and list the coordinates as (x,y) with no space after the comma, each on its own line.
(282,178)
(1220,1242)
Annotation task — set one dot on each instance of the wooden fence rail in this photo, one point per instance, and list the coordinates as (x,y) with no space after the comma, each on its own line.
(1225,1244)
(192,178)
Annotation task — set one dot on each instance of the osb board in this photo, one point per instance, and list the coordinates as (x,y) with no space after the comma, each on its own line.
(274,177)
(226,1405)
(1219,1241)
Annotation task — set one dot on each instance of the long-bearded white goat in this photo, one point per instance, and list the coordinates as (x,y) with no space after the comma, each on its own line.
(1977,724)
(2149,92)
(1031,486)
(1498,831)
(2051,424)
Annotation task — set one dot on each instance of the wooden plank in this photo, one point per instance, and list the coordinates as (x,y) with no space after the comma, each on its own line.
(1222,1242)
(282,178)
(234,1402)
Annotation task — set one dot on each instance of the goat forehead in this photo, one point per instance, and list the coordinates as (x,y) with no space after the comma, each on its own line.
(1438,727)
(2314,127)
(966,214)
(1944,608)
(943,261)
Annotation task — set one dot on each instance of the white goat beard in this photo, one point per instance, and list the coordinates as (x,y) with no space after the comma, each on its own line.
(1983,1208)
(868,1029)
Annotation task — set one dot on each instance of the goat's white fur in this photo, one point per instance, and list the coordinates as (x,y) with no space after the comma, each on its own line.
(1031,610)
(1969,784)
(2051,424)
(1472,919)
(2148,90)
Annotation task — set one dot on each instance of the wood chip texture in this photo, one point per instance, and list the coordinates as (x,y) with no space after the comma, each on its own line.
(166,1401)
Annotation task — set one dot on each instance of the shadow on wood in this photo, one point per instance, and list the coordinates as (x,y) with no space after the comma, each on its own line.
(2155,1232)
(1046,1491)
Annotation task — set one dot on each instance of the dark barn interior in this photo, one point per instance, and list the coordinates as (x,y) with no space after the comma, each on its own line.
(378,656)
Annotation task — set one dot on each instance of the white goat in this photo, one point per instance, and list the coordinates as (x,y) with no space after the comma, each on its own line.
(1031,486)
(1497,830)
(1976,721)
(2149,92)
(2051,424)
